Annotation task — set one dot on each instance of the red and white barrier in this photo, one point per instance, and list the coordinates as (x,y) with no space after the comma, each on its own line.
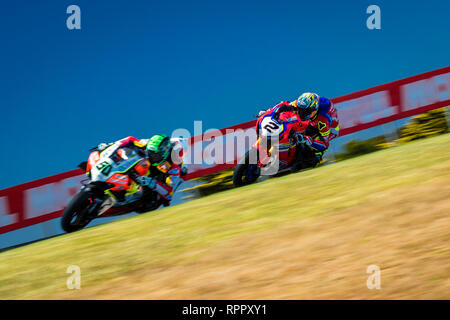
(44,199)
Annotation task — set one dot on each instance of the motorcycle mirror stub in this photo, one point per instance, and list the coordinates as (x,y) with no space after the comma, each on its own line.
(83,165)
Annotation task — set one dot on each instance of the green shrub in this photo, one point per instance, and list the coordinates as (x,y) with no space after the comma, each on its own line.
(355,148)
(424,125)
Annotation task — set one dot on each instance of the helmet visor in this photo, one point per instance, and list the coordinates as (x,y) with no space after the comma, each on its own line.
(304,113)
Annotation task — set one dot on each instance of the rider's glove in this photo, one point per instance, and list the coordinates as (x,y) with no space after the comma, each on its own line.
(307,140)
(183,171)
(146,182)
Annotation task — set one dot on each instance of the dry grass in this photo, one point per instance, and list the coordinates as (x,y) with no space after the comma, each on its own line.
(322,258)
(390,208)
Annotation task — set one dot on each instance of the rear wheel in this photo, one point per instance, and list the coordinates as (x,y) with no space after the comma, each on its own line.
(74,216)
(246,172)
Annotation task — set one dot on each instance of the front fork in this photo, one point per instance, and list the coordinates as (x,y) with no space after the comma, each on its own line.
(95,201)
(263,155)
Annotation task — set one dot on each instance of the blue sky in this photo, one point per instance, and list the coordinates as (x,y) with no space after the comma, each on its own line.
(145,67)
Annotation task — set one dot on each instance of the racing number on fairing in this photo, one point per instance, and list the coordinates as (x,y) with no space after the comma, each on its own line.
(271,126)
(104,168)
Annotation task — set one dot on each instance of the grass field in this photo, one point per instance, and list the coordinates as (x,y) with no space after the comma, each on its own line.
(309,235)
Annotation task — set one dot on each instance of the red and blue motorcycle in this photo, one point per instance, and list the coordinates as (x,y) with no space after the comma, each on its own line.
(275,149)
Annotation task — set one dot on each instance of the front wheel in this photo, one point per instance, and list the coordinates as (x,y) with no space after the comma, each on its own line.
(247,171)
(74,216)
